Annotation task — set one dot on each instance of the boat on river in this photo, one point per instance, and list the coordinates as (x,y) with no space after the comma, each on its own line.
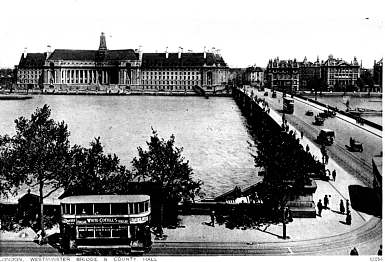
(14,97)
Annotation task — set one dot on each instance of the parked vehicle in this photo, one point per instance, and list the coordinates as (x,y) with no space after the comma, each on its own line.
(326,137)
(355,145)
(309,113)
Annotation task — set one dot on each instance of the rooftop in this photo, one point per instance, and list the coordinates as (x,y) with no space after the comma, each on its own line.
(105,199)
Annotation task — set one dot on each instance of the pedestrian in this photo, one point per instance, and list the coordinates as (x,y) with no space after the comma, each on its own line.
(379,252)
(283,117)
(348,218)
(342,207)
(326,202)
(326,159)
(307,148)
(212,218)
(354,252)
(319,206)
(301,134)
(334,174)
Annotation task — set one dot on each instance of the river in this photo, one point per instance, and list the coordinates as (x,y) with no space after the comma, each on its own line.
(212,131)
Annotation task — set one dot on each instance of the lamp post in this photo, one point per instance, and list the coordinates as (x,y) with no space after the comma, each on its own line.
(285,200)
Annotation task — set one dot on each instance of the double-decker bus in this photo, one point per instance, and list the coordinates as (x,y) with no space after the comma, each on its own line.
(105,223)
(288,105)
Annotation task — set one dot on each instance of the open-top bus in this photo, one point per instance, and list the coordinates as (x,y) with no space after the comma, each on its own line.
(105,223)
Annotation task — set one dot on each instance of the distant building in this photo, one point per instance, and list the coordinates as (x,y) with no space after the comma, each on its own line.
(339,75)
(283,75)
(254,76)
(122,70)
(236,76)
(30,71)
(182,71)
(91,70)
(377,75)
(310,75)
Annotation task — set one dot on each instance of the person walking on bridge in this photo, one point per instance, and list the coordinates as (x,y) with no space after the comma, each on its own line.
(326,202)
(319,206)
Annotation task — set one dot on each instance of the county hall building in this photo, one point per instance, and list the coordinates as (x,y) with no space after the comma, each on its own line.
(68,70)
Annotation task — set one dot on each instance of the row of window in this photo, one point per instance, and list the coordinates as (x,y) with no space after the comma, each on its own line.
(28,81)
(286,77)
(104,232)
(149,82)
(106,209)
(29,72)
(174,77)
(155,72)
(168,87)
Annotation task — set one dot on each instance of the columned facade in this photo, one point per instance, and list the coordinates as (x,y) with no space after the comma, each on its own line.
(131,70)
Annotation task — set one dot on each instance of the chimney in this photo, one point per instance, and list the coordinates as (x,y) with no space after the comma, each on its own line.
(180,52)
(102,44)
(166,52)
(25,52)
(204,52)
(140,53)
(48,51)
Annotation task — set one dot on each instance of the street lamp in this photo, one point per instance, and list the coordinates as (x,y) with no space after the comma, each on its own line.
(285,200)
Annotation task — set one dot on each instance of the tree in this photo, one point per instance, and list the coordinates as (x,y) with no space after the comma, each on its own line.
(164,165)
(36,155)
(286,167)
(90,171)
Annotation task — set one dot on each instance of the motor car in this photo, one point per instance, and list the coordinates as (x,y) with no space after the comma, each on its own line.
(326,137)
(355,145)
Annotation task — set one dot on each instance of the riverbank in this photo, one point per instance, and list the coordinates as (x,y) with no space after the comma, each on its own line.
(114,93)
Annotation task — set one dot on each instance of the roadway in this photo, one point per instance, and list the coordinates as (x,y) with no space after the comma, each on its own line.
(333,245)
(26,248)
(356,163)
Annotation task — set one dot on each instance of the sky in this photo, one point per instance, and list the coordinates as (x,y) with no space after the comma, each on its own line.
(246,32)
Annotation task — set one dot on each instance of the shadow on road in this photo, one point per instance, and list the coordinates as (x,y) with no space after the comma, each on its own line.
(270,233)
(364,199)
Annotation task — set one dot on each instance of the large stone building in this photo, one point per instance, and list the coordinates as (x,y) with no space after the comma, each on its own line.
(129,70)
(338,74)
(182,71)
(30,71)
(254,76)
(309,74)
(332,74)
(283,75)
